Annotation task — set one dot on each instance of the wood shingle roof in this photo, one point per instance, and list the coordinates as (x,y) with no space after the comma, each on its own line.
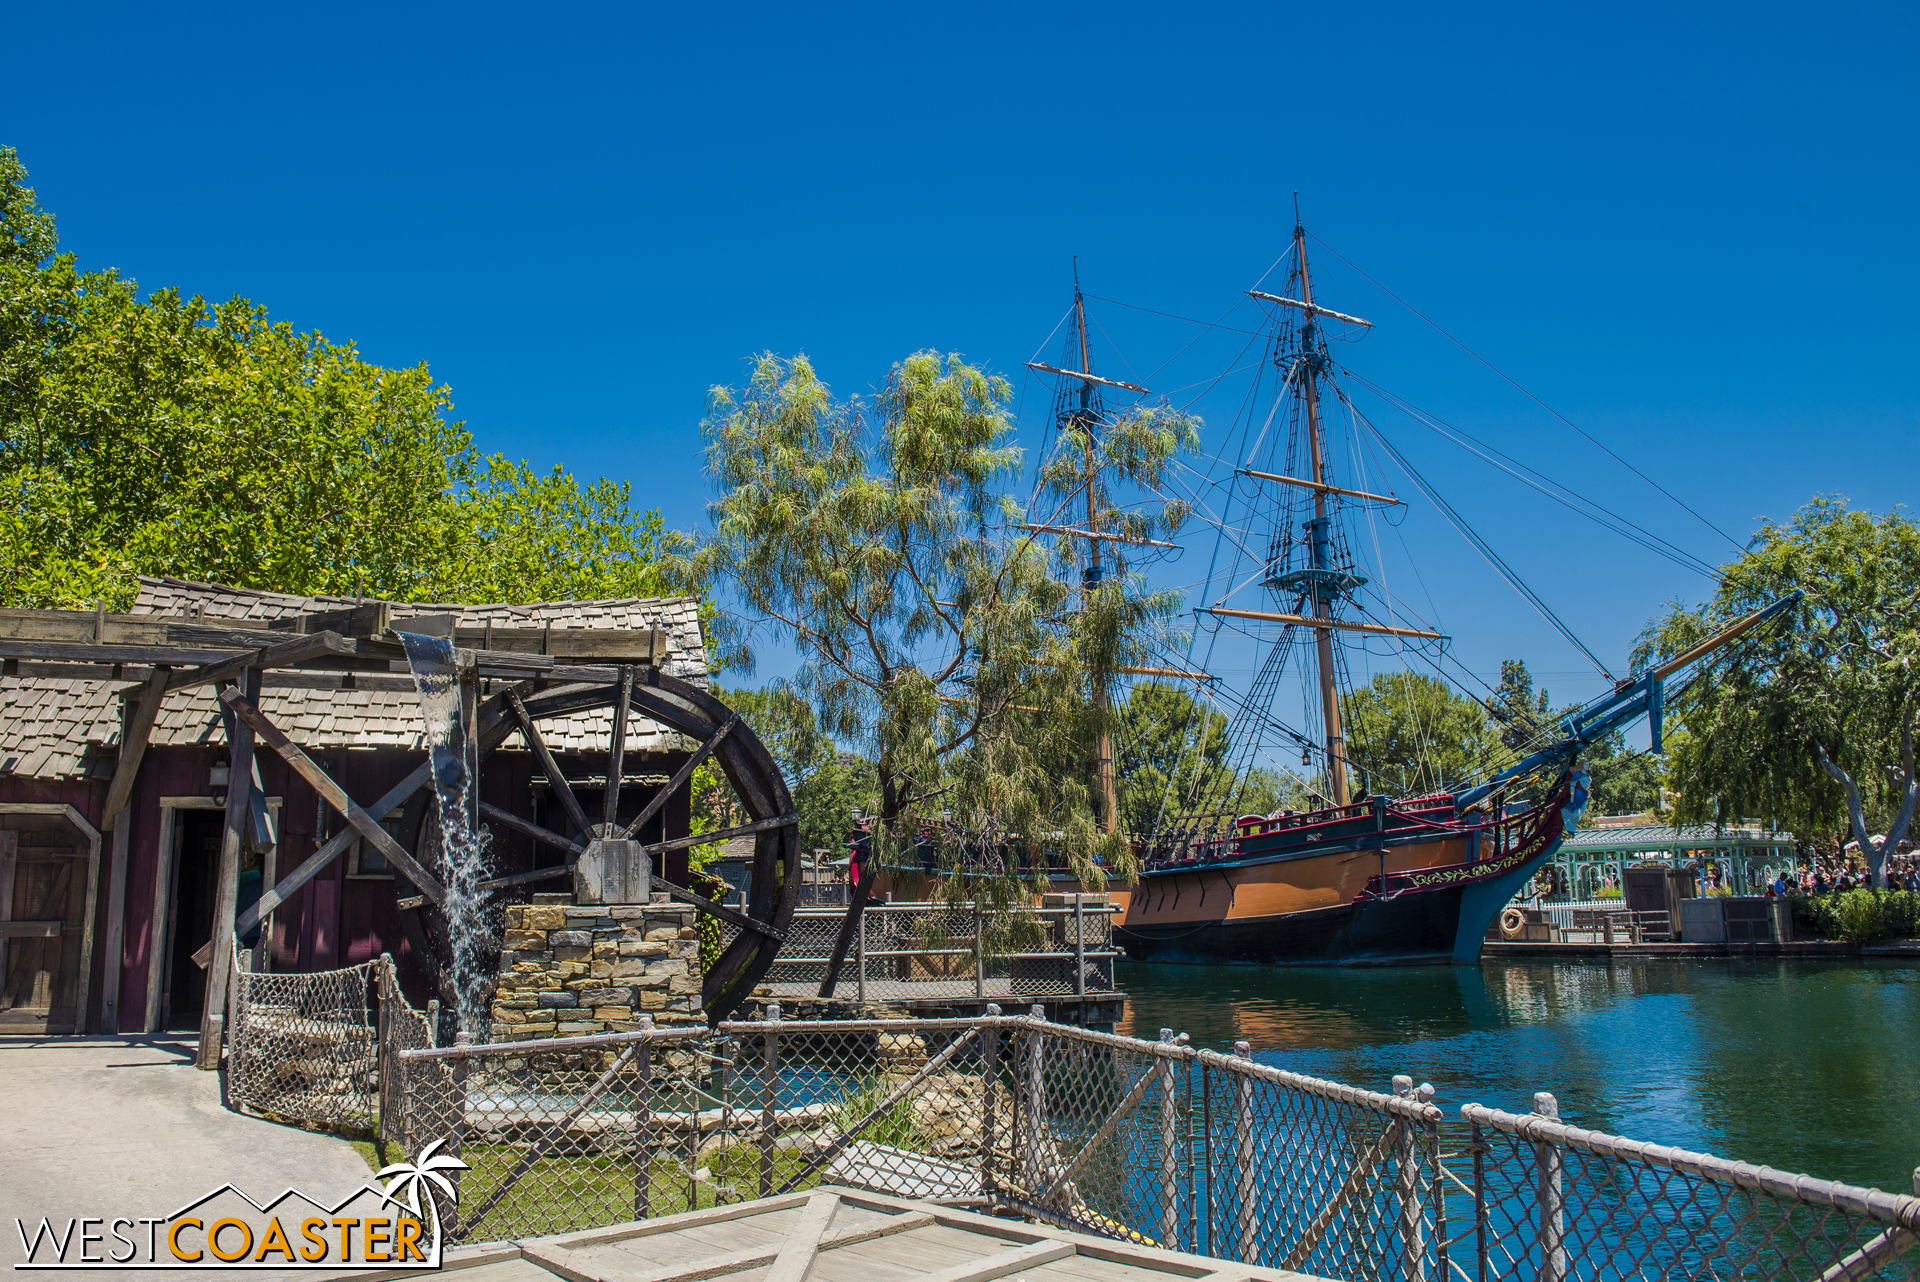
(49,727)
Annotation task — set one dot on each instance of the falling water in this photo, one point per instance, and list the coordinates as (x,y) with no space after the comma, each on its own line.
(463,849)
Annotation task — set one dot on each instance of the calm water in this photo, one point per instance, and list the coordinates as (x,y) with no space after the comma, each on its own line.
(1805,1065)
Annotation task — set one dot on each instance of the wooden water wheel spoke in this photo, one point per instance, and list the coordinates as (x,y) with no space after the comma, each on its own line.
(529,828)
(616,755)
(681,776)
(555,780)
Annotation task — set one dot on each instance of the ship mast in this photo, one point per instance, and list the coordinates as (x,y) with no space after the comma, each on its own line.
(1103,746)
(1319,537)
(1083,410)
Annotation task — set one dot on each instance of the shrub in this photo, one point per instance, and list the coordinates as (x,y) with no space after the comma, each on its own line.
(1858,916)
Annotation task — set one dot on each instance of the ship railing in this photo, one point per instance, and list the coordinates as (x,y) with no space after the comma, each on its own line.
(1149,1141)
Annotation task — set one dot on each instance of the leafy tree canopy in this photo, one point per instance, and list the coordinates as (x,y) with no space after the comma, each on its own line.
(167,435)
(940,642)
(1812,721)
(1410,733)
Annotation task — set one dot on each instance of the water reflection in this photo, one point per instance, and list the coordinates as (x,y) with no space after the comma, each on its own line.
(1802,1064)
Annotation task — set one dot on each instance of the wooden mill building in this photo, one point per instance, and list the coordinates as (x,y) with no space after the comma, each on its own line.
(101,913)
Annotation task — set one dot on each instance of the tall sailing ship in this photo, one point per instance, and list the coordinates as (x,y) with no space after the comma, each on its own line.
(1363,877)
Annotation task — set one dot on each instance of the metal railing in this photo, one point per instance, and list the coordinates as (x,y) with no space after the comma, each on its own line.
(932,950)
(1150,1142)
(1554,1203)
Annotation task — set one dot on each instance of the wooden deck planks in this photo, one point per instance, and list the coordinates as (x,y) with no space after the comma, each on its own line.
(848,1235)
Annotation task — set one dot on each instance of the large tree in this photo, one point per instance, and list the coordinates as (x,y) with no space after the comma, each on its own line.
(938,639)
(1813,722)
(1410,733)
(167,435)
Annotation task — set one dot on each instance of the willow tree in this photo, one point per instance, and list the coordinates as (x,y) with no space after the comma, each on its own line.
(937,638)
(1813,723)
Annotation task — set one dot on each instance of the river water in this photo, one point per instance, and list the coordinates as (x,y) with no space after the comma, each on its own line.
(1801,1064)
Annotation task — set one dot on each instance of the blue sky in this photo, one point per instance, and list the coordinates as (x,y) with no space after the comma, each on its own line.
(1689,229)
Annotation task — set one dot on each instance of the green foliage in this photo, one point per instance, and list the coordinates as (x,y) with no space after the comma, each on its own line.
(940,644)
(1858,916)
(1812,720)
(827,784)
(170,436)
(1624,783)
(1409,733)
(1525,716)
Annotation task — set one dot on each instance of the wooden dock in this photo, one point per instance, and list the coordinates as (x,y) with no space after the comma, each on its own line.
(1506,950)
(834,1234)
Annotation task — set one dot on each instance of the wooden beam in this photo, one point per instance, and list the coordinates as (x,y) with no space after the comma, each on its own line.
(284,654)
(115,945)
(1322,487)
(332,849)
(78,652)
(1002,1263)
(133,746)
(680,776)
(30,929)
(334,795)
(213,1009)
(1309,621)
(555,780)
(1311,308)
(802,1243)
(1104,537)
(1045,368)
(1181,673)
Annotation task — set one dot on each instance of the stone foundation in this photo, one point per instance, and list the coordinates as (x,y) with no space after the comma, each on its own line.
(568,969)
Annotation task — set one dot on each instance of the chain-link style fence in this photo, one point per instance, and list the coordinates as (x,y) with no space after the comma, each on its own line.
(1151,1142)
(933,950)
(1554,1203)
(303,1046)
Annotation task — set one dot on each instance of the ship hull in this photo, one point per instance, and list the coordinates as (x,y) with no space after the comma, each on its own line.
(1405,897)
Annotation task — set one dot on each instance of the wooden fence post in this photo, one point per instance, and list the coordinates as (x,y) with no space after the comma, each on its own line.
(1243,1157)
(643,1127)
(1413,1265)
(989,1078)
(457,1134)
(1169,1148)
(979,954)
(1036,1110)
(769,1094)
(1549,1167)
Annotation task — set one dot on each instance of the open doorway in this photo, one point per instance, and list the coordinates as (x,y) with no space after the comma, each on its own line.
(196,880)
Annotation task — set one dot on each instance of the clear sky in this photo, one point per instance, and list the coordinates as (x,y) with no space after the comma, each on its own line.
(1689,229)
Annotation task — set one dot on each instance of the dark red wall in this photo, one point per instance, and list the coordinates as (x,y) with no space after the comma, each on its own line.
(333,920)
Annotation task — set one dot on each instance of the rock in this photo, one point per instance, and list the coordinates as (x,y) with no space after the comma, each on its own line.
(606,997)
(613,1012)
(551,1001)
(644,948)
(688,932)
(524,941)
(546,918)
(570,939)
(580,953)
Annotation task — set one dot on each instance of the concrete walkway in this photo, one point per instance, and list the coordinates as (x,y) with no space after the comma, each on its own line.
(105,1126)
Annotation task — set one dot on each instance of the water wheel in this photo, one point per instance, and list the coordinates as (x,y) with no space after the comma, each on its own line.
(722,735)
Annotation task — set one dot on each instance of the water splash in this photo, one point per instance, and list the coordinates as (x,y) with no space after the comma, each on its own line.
(463,847)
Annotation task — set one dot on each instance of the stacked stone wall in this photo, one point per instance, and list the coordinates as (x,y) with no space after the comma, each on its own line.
(568,969)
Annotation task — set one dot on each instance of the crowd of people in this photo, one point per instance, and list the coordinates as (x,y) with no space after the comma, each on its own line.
(1819,876)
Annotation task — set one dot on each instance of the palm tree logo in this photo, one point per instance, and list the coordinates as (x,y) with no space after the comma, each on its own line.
(410,1177)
